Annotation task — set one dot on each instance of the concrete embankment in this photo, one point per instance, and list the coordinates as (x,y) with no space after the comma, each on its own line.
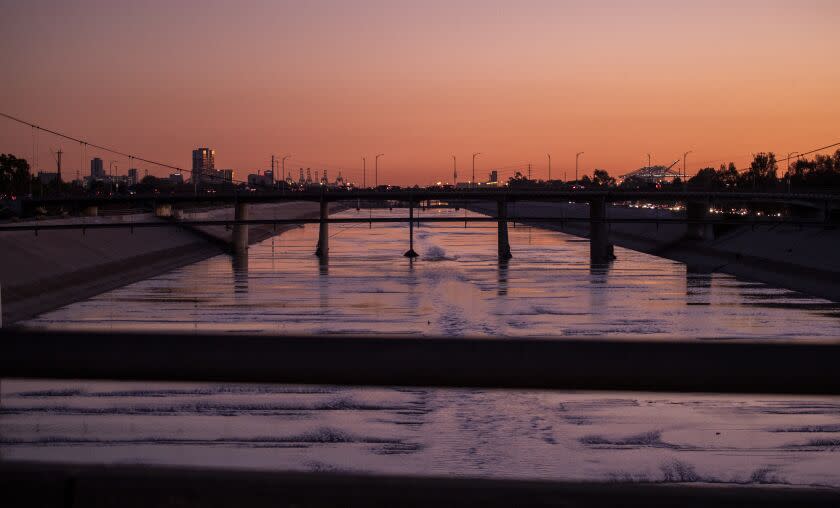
(800,259)
(42,272)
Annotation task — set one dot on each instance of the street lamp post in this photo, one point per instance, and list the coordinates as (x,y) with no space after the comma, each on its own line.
(549,167)
(454,171)
(789,176)
(283,164)
(376,172)
(577,158)
(111,166)
(473,166)
(684,157)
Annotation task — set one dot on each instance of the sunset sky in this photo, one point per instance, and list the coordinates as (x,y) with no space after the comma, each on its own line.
(420,81)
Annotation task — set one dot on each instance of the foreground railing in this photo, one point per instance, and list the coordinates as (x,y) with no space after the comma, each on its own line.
(590,364)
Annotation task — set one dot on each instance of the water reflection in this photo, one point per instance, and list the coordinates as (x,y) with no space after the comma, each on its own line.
(457,286)
(239,263)
(698,285)
(502,278)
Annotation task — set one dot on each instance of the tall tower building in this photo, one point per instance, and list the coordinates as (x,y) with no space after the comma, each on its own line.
(203,164)
(97,169)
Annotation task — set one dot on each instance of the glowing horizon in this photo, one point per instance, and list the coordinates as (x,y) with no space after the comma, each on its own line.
(332,81)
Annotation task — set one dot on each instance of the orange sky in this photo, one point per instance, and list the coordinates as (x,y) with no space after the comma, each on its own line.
(331,81)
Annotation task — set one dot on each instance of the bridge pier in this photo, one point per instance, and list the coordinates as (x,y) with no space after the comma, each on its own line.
(410,253)
(90,211)
(323,248)
(698,211)
(163,210)
(504,242)
(240,231)
(600,249)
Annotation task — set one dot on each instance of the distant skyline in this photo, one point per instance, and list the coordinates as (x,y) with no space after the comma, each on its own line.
(332,81)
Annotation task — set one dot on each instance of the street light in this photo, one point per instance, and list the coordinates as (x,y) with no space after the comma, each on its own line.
(454,171)
(789,176)
(577,157)
(111,166)
(549,167)
(376,174)
(684,156)
(283,164)
(473,166)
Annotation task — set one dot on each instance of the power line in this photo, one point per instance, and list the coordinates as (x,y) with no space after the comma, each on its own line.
(100,147)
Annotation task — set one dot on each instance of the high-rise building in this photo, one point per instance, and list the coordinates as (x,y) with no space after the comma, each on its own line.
(203,164)
(494,176)
(97,169)
(132,176)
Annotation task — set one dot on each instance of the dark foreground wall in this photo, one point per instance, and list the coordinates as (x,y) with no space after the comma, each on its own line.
(55,485)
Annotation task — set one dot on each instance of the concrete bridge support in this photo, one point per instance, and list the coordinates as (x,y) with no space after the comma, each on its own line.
(163,210)
(240,231)
(323,248)
(410,253)
(600,249)
(90,211)
(504,242)
(698,211)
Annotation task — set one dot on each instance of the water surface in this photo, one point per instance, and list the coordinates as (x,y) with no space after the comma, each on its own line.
(456,288)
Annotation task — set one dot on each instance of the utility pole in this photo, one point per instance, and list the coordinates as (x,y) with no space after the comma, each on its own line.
(577,158)
(273,176)
(529,171)
(376,171)
(648,166)
(473,166)
(364,173)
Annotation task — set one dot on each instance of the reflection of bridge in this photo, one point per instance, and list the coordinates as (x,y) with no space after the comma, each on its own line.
(696,218)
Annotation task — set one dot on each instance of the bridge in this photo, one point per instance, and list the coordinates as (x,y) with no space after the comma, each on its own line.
(699,223)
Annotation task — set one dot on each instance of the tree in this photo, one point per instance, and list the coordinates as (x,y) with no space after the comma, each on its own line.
(602,179)
(14,174)
(728,176)
(762,172)
(706,178)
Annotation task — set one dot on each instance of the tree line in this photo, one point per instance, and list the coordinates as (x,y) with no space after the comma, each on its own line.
(764,174)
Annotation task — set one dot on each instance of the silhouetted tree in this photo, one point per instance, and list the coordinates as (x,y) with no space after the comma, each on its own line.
(14,175)
(601,178)
(762,172)
(706,179)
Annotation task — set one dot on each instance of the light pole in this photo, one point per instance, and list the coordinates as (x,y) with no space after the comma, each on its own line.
(376,173)
(789,176)
(648,166)
(364,173)
(473,166)
(111,166)
(549,167)
(577,158)
(454,171)
(684,156)
(283,164)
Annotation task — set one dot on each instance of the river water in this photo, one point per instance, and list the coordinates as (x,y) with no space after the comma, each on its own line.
(456,288)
